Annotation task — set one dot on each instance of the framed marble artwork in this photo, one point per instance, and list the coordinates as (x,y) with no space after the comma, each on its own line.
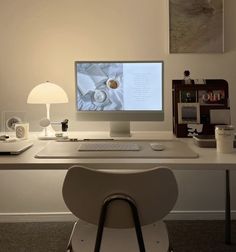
(196,26)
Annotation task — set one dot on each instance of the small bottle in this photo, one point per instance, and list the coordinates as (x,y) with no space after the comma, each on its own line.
(64,125)
(187,79)
(64,128)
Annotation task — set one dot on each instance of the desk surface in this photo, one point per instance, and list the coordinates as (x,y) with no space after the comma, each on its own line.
(208,159)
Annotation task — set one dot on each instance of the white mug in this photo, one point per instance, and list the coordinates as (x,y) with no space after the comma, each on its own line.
(224,135)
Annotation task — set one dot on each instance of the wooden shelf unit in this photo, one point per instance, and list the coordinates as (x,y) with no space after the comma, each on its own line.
(213,89)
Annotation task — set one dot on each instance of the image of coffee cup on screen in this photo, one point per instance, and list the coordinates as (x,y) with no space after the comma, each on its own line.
(112,83)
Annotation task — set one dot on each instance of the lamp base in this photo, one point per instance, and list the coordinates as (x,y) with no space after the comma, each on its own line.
(47,137)
(48,133)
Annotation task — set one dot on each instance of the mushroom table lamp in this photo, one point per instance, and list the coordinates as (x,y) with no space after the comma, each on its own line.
(47,93)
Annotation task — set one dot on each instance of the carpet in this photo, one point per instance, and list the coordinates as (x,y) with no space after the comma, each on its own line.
(185,236)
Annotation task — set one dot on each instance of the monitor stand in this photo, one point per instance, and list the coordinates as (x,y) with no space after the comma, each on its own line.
(120,129)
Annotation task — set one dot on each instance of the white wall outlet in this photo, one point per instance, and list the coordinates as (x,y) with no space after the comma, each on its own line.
(10,118)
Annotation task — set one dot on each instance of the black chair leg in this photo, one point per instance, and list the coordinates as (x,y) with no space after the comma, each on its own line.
(137,227)
(100,227)
(102,219)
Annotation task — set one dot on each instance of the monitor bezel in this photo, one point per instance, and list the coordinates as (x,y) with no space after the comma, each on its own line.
(121,115)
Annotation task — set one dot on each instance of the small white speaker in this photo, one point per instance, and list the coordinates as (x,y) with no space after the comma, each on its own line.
(22,130)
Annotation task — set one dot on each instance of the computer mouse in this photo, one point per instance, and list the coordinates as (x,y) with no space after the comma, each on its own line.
(157,146)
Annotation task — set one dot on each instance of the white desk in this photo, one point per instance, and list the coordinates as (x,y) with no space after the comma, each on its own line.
(208,160)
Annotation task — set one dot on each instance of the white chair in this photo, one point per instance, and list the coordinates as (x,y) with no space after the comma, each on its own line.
(112,205)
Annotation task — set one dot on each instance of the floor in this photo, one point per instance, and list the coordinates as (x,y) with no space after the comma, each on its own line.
(185,236)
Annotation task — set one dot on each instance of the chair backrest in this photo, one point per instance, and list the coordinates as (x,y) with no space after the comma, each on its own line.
(154,191)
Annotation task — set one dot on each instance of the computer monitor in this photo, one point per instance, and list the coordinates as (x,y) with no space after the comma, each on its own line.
(119,92)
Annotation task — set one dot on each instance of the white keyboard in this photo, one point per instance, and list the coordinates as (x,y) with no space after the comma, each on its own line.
(109,146)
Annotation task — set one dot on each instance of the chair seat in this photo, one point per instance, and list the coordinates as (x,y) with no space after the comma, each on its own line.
(117,240)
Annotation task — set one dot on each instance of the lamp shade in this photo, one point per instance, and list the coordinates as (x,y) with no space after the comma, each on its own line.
(47,93)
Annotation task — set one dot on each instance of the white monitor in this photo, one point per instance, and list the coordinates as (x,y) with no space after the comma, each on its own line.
(119,92)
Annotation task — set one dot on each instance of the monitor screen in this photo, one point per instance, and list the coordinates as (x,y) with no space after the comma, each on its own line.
(119,91)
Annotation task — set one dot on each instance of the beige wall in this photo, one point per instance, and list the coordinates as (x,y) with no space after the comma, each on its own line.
(40,40)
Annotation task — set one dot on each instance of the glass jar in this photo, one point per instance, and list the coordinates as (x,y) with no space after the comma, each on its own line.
(224,135)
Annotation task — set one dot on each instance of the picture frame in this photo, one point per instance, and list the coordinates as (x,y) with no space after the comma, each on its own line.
(189,113)
(196,26)
(188,96)
(214,97)
(220,116)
